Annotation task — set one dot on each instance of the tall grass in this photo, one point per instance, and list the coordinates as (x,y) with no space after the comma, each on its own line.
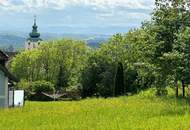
(124,113)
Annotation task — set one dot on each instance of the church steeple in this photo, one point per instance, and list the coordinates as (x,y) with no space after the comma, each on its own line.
(34,37)
(34,33)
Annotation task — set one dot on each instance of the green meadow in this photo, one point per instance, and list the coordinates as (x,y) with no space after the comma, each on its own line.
(124,113)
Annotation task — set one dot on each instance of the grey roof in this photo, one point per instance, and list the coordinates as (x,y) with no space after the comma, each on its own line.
(8,74)
(5,57)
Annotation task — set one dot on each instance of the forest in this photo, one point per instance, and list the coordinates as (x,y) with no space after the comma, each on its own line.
(155,55)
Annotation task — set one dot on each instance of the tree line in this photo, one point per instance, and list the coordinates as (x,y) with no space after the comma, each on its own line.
(155,55)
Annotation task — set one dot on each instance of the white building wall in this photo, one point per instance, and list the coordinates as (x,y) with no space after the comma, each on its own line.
(31,45)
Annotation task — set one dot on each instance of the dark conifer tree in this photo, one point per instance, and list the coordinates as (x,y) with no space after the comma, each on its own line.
(119,81)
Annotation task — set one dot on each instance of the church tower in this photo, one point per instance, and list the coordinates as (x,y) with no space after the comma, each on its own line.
(34,37)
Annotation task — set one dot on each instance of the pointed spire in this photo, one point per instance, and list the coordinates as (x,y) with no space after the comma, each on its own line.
(35,27)
(34,33)
(35,19)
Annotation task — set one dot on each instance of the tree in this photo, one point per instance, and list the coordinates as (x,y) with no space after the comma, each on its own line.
(97,76)
(169,18)
(119,81)
(43,63)
(182,47)
(62,79)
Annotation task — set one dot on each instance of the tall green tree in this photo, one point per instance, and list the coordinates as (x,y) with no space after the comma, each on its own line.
(169,17)
(182,48)
(119,81)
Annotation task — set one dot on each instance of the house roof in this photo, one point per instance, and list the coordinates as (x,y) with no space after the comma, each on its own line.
(11,54)
(8,74)
(3,56)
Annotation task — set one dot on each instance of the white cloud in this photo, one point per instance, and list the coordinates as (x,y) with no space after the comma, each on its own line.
(140,4)
(90,14)
(61,4)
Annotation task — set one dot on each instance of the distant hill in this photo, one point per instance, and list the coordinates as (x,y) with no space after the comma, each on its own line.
(92,40)
(17,40)
(96,41)
(7,40)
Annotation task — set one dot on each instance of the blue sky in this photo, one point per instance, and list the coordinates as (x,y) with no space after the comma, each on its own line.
(74,16)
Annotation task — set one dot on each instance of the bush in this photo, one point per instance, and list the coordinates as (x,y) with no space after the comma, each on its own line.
(23,84)
(37,88)
(42,86)
(33,90)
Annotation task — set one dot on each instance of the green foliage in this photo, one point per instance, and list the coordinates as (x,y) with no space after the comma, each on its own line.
(169,18)
(62,79)
(44,62)
(134,51)
(41,86)
(37,89)
(182,47)
(97,76)
(23,84)
(33,90)
(131,81)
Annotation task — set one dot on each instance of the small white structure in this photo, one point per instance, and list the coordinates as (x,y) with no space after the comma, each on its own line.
(34,38)
(18,98)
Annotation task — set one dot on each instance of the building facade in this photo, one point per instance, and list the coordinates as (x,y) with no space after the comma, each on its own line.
(6,81)
(34,39)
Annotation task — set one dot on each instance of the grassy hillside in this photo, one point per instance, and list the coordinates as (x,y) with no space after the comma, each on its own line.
(136,112)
